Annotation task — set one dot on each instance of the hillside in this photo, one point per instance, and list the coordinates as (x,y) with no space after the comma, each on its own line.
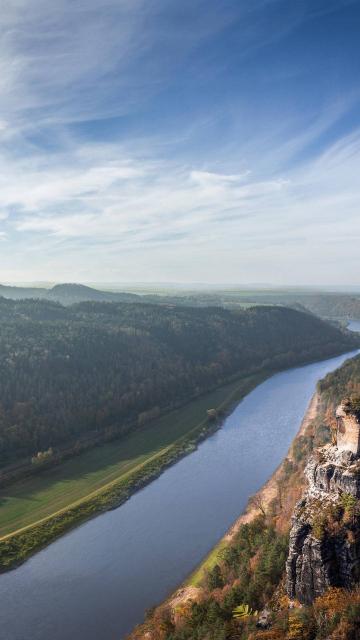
(22,293)
(329,305)
(68,371)
(66,294)
(335,306)
(72,293)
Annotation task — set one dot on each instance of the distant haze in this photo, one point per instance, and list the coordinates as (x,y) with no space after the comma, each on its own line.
(180,142)
(193,286)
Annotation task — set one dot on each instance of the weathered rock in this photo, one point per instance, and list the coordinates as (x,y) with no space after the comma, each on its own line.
(324,547)
(348,428)
(333,473)
(264,619)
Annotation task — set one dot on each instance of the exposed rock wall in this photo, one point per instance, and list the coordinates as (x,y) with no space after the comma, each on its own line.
(333,472)
(324,546)
(348,431)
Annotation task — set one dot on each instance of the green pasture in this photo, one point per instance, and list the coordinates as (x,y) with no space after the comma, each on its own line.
(39,496)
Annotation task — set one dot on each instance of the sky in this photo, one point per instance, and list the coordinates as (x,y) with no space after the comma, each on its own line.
(210,141)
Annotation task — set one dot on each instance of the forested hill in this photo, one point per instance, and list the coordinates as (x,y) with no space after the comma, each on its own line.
(335,306)
(341,383)
(65,371)
(66,294)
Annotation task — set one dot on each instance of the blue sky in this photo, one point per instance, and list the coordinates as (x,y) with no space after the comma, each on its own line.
(193,141)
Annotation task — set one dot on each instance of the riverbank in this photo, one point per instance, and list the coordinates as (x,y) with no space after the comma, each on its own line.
(23,540)
(146,463)
(262,502)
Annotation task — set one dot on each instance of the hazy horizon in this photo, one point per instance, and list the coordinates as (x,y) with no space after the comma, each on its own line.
(188,286)
(180,142)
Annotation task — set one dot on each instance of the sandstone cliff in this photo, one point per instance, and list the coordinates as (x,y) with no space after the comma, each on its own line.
(324,546)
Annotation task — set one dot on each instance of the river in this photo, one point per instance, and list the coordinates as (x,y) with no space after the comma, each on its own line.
(96,582)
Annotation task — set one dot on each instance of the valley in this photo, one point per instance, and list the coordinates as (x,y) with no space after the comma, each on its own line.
(130,558)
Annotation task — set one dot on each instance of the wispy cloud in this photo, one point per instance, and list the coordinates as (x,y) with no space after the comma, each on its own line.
(136,204)
(200,164)
(73,61)
(138,199)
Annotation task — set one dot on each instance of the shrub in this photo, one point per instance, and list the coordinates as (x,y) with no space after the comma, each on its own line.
(42,456)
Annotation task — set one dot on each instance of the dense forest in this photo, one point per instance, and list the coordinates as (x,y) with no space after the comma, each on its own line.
(66,371)
(236,580)
(342,383)
(329,305)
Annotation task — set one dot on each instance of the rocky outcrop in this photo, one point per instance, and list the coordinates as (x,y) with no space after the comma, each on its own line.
(324,545)
(333,472)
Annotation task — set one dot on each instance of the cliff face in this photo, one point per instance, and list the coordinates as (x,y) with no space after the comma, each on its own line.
(325,536)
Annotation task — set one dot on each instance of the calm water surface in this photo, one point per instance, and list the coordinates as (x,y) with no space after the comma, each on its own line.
(354,325)
(96,582)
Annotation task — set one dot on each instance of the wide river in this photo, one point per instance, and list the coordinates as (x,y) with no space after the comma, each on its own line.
(96,582)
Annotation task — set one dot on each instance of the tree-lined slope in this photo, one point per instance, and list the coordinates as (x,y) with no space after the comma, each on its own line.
(67,371)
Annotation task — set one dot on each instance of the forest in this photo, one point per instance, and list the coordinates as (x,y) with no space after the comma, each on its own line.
(110,367)
(331,305)
(342,383)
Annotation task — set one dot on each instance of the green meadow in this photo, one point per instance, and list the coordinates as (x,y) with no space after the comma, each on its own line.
(41,496)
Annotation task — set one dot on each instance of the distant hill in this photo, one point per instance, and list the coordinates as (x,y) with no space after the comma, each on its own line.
(66,294)
(73,293)
(331,306)
(22,293)
(334,306)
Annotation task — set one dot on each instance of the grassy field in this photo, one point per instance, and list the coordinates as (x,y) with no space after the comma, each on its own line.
(36,498)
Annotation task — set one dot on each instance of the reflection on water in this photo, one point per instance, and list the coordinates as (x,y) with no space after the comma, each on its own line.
(354,325)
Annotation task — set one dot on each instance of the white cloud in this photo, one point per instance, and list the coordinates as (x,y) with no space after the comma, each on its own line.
(144,205)
(134,198)
(110,209)
(140,199)
(211,178)
(75,61)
